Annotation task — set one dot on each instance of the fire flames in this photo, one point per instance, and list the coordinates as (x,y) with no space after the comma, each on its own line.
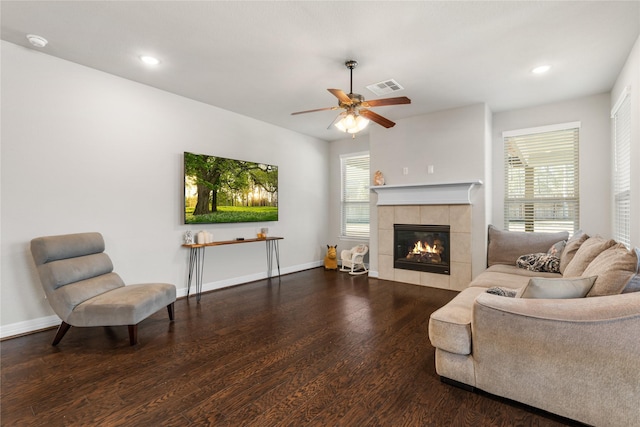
(423,252)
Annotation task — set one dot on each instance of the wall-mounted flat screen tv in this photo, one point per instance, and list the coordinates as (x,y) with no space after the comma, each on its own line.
(221,190)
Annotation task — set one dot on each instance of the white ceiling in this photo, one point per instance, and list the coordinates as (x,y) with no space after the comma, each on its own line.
(267,59)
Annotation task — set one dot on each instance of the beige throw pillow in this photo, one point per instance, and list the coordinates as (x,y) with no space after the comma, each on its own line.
(545,288)
(571,248)
(614,268)
(587,252)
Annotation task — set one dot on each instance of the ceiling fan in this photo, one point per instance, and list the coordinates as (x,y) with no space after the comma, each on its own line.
(356,114)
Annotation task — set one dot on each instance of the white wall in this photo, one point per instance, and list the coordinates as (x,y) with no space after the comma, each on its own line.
(454,142)
(595,154)
(630,76)
(84,150)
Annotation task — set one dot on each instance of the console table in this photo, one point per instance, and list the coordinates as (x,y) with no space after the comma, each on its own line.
(196,258)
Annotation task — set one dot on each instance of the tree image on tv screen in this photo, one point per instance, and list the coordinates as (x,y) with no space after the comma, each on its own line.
(221,190)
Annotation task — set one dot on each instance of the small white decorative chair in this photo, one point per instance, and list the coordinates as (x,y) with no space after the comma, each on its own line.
(353,259)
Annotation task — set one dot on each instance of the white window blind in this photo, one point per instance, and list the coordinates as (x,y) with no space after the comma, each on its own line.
(621,115)
(542,179)
(355,196)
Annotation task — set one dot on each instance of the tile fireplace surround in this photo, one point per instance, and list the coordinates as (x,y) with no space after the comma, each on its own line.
(458,217)
(428,210)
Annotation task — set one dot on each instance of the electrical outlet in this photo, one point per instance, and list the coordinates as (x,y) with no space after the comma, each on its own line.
(430,169)
(405,171)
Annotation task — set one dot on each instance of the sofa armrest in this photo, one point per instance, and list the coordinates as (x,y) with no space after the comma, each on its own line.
(578,358)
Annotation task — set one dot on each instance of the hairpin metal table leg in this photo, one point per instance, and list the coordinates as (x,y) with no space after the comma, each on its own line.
(196,261)
(272,248)
(192,260)
(199,272)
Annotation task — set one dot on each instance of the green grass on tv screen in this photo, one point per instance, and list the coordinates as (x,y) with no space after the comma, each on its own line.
(234,214)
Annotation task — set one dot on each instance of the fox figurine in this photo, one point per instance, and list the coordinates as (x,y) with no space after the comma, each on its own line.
(331,260)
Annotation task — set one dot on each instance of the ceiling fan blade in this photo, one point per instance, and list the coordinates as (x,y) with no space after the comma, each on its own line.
(313,111)
(341,96)
(386,101)
(377,118)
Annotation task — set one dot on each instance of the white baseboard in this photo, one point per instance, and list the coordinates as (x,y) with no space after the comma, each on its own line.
(20,328)
(373,273)
(27,326)
(212,286)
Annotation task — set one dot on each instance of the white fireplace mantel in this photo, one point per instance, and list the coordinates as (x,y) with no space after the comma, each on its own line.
(450,193)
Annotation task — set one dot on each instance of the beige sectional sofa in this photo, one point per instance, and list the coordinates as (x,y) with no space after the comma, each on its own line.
(577,357)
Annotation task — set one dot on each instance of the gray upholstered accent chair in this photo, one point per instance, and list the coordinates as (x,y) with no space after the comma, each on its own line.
(81,287)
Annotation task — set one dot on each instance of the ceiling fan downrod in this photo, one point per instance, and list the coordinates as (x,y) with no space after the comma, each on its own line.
(351,64)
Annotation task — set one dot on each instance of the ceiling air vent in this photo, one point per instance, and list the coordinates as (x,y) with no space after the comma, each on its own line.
(385,87)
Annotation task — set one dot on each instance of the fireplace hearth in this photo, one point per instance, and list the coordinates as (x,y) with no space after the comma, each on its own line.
(421,247)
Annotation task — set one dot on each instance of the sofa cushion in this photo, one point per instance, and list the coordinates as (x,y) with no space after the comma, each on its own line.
(587,252)
(545,288)
(633,285)
(539,262)
(506,246)
(557,248)
(505,279)
(512,269)
(450,326)
(570,249)
(614,268)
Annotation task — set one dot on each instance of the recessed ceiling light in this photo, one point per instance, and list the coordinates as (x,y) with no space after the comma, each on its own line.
(541,69)
(149,60)
(37,41)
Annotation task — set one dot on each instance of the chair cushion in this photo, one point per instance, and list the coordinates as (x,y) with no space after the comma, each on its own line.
(128,305)
(52,248)
(59,273)
(68,297)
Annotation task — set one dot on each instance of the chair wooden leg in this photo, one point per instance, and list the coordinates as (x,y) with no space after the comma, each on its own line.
(170,310)
(133,334)
(62,329)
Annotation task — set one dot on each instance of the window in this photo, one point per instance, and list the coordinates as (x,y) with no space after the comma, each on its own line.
(541,179)
(354,205)
(621,115)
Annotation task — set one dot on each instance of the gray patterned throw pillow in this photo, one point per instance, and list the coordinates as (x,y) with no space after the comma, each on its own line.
(541,262)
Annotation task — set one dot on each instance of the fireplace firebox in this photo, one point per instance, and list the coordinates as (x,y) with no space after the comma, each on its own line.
(421,247)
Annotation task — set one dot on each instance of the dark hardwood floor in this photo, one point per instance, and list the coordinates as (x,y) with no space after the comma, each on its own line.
(322,348)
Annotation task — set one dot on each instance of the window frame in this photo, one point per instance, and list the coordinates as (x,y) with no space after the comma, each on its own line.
(359,200)
(621,167)
(547,156)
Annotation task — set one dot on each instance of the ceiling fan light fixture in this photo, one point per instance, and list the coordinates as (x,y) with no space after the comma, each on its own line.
(357,113)
(352,123)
